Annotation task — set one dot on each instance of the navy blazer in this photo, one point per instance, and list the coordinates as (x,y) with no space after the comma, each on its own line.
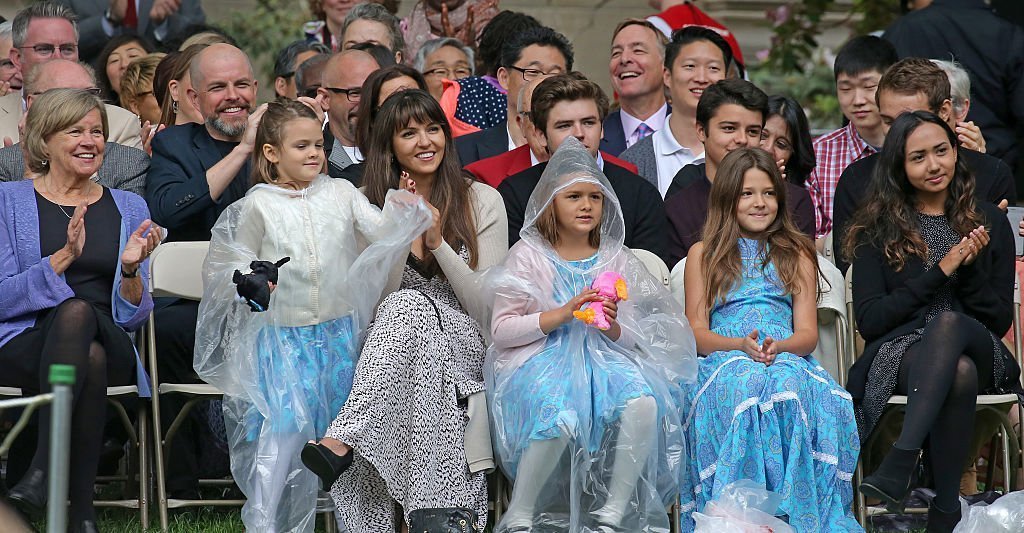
(482,144)
(177,191)
(613,141)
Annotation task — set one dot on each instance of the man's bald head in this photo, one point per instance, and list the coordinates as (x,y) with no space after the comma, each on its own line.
(210,58)
(223,89)
(346,71)
(58,74)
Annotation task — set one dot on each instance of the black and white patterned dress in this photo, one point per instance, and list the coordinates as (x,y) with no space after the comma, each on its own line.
(885,368)
(406,414)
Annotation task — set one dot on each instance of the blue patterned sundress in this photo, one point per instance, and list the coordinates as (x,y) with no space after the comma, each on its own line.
(788,426)
(546,398)
(305,376)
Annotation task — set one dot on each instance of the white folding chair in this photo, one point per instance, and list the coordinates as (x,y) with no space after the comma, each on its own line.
(654,265)
(676,284)
(176,270)
(832,318)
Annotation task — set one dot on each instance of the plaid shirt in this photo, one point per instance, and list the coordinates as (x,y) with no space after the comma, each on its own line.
(833,152)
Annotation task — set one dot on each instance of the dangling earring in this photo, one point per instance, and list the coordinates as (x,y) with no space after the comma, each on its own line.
(45,162)
(174,106)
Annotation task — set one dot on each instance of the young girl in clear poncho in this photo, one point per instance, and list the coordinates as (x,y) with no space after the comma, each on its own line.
(583,417)
(286,371)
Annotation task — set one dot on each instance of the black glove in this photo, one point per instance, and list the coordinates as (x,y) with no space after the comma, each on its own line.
(254,286)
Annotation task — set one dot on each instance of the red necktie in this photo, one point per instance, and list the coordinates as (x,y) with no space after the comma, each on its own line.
(131,18)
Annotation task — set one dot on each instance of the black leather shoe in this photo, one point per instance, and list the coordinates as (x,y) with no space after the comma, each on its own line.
(326,464)
(894,478)
(85,526)
(29,495)
(940,521)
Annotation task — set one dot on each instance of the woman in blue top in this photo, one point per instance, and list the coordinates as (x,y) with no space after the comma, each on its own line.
(67,299)
(762,408)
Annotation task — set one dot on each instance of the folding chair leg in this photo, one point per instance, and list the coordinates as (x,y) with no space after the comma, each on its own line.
(144,480)
(677,517)
(1006,462)
(861,503)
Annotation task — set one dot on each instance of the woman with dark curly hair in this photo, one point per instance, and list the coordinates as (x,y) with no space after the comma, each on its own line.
(933,274)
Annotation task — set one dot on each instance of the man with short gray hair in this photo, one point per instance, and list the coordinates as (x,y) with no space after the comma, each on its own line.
(373,23)
(286,65)
(967,132)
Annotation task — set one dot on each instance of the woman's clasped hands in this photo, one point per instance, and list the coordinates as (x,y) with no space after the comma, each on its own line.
(966,251)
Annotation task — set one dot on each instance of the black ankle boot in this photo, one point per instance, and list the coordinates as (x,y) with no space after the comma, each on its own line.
(893,479)
(940,521)
(29,495)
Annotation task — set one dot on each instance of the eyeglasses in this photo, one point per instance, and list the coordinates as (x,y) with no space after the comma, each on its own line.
(353,95)
(530,74)
(67,51)
(456,73)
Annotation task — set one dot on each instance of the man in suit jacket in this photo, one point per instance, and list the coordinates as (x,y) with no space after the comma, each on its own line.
(494,170)
(197,171)
(99,20)
(570,105)
(535,53)
(123,125)
(915,84)
(123,167)
(342,80)
(638,50)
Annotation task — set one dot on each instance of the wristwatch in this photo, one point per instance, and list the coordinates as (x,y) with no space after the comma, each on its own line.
(133,274)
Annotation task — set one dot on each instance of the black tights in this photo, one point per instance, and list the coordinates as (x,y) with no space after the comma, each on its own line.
(71,340)
(941,376)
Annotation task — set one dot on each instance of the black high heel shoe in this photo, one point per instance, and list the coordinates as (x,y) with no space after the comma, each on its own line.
(85,526)
(327,465)
(29,495)
(894,478)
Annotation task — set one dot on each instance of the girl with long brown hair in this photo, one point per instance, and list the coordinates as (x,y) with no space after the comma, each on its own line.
(403,428)
(933,275)
(762,407)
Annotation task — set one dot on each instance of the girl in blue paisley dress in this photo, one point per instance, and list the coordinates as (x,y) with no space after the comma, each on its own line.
(584,418)
(762,408)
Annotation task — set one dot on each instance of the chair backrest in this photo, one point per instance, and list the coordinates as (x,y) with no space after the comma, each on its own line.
(654,264)
(676,283)
(176,269)
(829,251)
(830,351)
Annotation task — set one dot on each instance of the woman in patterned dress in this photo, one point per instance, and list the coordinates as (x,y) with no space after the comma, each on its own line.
(402,429)
(762,407)
(933,274)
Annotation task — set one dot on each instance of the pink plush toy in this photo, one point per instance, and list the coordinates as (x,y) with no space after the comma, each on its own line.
(612,287)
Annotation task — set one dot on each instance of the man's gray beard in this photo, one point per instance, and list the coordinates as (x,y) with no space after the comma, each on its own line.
(226,129)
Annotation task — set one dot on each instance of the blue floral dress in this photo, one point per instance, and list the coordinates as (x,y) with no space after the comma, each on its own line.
(548,403)
(788,426)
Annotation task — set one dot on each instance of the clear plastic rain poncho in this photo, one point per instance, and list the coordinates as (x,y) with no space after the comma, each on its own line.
(586,427)
(286,372)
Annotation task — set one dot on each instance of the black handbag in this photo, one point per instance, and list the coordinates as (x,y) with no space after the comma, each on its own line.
(443,520)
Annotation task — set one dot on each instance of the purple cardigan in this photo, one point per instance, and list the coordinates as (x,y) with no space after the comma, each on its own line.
(28,283)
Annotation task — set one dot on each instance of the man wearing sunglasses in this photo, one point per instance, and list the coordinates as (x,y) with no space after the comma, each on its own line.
(43,32)
(341,89)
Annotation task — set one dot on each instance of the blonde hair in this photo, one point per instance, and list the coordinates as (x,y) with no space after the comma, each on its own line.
(205,38)
(50,113)
(139,74)
(271,131)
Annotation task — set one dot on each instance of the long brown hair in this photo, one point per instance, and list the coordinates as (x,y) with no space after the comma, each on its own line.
(781,244)
(888,216)
(451,188)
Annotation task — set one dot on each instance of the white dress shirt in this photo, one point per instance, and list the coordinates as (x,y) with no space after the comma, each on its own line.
(671,156)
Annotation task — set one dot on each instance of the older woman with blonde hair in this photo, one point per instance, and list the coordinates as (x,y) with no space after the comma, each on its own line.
(65,298)
(136,91)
